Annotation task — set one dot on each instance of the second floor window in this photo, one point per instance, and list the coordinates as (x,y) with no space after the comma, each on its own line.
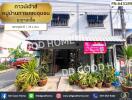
(60,20)
(96,20)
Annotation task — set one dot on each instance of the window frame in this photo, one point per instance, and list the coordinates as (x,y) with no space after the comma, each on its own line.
(96,22)
(61,22)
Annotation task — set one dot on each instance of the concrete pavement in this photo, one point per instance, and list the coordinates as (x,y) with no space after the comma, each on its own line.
(7,78)
(57,83)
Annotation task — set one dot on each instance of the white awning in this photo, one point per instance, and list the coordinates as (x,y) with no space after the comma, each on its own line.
(43,37)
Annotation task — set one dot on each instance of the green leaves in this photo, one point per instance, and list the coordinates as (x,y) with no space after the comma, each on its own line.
(127,51)
(19,52)
(128,80)
(43,69)
(28,75)
(3,66)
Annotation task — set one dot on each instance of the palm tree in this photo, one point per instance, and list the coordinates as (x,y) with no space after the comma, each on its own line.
(127,51)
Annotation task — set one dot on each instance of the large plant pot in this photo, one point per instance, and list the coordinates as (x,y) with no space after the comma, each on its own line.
(99,85)
(42,82)
(126,88)
(92,86)
(108,85)
(76,82)
(29,87)
(71,83)
(83,86)
(21,87)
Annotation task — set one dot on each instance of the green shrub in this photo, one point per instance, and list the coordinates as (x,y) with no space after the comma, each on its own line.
(43,69)
(28,75)
(3,66)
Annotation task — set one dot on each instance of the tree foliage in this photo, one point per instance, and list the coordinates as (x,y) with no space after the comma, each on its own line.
(19,52)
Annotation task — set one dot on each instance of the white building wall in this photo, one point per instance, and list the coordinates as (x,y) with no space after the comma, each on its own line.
(78,16)
(11,39)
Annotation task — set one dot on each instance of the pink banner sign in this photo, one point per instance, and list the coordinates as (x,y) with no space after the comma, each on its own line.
(95,48)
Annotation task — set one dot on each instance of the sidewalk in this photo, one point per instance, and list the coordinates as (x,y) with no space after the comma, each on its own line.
(64,86)
(51,85)
(57,83)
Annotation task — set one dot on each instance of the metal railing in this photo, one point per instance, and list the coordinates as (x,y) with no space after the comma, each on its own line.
(59,23)
(95,24)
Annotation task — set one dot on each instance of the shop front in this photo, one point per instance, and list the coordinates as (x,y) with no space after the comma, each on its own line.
(65,54)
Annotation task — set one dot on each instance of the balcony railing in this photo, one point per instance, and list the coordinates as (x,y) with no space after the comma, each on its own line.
(95,24)
(59,22)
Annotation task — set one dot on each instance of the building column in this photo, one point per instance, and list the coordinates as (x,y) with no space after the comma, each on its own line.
(116,62)
(114,55)
(92,62)
(109,56)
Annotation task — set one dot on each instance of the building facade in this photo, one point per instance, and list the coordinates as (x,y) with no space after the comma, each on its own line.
(78,34)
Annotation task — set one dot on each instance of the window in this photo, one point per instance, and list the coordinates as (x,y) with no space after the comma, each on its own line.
(96,20)
(129,40)
(60,20)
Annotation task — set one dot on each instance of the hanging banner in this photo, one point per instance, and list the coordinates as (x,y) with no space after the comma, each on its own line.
(95,48)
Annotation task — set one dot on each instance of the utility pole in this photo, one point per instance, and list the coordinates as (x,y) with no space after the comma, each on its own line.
(123,26)
(123,23)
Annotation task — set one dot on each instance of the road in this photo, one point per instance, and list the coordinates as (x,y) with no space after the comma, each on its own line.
(7,78)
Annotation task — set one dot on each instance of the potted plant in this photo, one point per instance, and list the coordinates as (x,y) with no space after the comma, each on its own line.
(127,83)
(92,82)
(108,76)
(43,70)
(27,77)
(74,79)
(71,80)
(83,83)
(99,76)
(43,80)
(108,82)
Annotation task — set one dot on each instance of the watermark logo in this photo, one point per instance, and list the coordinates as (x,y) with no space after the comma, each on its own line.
(31,96)
(124,95)
(49,43)
(86,69)
(95,95)
(3,96)
(121,3)
(58,96)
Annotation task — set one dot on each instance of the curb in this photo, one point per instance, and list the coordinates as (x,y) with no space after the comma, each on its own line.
(6,70)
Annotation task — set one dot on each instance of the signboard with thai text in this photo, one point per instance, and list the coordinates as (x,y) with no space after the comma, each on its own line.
(95,48)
